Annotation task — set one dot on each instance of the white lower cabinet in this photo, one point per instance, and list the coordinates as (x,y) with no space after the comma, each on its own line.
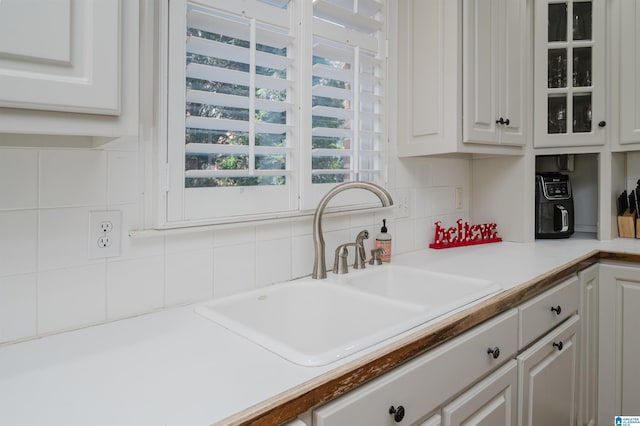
(531,366)
(491,402)
(588,375)
(619,340)
(415,390)
(548,378)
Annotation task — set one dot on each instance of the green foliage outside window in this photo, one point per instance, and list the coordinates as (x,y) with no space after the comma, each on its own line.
(233,161)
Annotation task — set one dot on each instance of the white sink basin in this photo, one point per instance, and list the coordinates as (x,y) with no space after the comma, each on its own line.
(433,289)
(316,322)
(312,322)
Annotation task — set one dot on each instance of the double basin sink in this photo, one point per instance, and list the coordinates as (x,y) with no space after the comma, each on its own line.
(316,322)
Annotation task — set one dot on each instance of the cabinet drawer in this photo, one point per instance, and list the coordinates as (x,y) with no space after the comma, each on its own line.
(544,312)
(425,383)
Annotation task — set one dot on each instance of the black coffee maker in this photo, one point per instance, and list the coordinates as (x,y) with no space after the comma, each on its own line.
(554,206)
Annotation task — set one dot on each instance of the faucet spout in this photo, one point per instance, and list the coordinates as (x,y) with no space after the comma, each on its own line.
(320,264)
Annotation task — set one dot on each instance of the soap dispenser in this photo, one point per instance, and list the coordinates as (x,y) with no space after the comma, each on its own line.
(383,241)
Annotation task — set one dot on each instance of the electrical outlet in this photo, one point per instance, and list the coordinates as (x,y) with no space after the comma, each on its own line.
(402,202)
(104,242)
(105,234)
(106,226)
(459,198)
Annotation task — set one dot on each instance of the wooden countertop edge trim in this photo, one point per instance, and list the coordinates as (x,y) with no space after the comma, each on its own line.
(294,402)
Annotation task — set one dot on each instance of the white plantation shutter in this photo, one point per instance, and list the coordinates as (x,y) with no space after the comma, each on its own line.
(349,61)
(237,136)
(244,77)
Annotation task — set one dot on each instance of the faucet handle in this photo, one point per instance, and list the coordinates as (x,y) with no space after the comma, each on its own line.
(361,254)
(340,265)
(375,256)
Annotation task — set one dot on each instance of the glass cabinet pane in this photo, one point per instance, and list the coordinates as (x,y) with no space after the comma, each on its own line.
(581,66)
(558,22)
(582,113)
(582,19)
(557,114)
(557,68)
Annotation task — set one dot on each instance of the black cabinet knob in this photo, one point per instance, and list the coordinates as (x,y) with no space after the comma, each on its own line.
(558,345)
(602,123)
(503,121)
(397,413)
(494,352)
(506,122)
(556,309)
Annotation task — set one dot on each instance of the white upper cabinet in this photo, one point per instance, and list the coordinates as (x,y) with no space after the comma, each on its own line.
(462,65)
(60,55)
(569,73)
(494,71)
(78,58)
(629,36)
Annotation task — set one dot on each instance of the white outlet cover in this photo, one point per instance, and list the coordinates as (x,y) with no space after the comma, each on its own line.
(402,201)
(97,248)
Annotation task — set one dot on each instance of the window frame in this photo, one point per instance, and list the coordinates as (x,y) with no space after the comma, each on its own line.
(305,197)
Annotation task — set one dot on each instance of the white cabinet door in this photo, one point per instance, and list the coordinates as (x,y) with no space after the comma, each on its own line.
(494,65)
(619,342)
(429,74)
(588,376)
(548,378)
(629,34)
(491,402)
(440,72)
(60,55)
(569,73)
(416,389)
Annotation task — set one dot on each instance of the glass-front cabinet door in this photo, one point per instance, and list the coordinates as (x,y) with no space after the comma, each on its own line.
(569,73)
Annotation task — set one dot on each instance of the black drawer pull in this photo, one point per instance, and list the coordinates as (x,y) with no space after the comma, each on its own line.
(397,413)
(494,352)
(556,309)
(558,345)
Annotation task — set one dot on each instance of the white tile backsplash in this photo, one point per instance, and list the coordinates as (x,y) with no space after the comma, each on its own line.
(73,178)
(122,178)
(48,284)
(17,307)
(273,261)
(18,241)
(189,276)
(64,238)
(18,179)
(135,286)
(234,269)
(190,241)
(302,255)
(71,298)
(228,237)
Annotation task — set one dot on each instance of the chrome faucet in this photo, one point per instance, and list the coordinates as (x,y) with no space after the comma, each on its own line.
(320,264)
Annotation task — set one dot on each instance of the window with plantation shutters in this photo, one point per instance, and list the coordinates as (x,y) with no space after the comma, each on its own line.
(348,132)
(270,103)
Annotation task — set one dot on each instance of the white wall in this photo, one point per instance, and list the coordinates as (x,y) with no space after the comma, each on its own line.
(633,169)
(48,284)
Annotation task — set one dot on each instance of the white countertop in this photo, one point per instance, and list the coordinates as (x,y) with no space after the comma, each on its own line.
(176,368)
